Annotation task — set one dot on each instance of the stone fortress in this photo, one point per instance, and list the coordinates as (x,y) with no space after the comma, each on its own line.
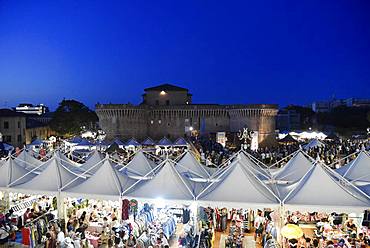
(168,111)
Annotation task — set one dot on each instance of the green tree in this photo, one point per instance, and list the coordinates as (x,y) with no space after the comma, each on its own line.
(71,116)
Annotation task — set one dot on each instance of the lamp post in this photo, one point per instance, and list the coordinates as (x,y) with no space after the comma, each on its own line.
(245,136)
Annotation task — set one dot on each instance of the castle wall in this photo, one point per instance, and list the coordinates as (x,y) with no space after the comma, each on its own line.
(126,121)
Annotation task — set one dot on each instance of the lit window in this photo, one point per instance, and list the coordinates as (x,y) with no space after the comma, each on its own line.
(151,122)
(159,121)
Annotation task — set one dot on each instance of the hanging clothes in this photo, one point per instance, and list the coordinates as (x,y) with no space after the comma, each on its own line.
(185,215)
(125,209)
(26,236)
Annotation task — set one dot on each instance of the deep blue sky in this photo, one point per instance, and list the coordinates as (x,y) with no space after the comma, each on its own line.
(264,51)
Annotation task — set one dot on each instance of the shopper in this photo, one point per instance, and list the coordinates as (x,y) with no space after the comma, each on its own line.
(131,242)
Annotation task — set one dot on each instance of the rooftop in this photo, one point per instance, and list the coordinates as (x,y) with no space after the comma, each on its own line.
(166,87)
(10,113)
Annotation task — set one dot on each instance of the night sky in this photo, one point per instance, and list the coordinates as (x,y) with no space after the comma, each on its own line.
(267,51)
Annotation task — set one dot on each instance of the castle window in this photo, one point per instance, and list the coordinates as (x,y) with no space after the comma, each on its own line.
(156,102)
(216,124)
(6,125)
(151,121)
(167,102)
(159,121)
(168,124)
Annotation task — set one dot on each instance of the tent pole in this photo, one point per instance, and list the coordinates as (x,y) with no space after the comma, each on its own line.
(280,224)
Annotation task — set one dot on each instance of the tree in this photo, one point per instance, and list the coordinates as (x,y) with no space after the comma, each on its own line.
(71,116)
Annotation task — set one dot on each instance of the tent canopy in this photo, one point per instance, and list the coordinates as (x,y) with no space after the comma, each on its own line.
(288,139)
(238,184)
(166,184)
(314,143)
(164,142)
(148,142)
(13,173)
(106,181)
(132,142)
(27,161)
(51,179)
(180,142)
(94,158)
(36,142)
(84,142)
(319,187)
(189,165)
(358,169)
(139,166)
(256,169)
(295,169)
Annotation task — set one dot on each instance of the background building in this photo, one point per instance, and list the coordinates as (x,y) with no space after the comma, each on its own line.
(29,108)
(12,127)
(167,110)
(288,120)
(327,106)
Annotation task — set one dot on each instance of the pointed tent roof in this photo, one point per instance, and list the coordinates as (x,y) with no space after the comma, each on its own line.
(365,188)
(295,169)
(288,139)
(190,166)
(27,161)
(36,142)
(106,181)
(180,142)
(139,166)
(103,143)
(68,164)
(84,142)
(51,179)
(238,185)
(148,142)
(95,158)
(118,142)
(358,169)
(166,184)
(164,142)
(256,169)
(75,140)
(313,144)
(132,142)
(11,172)
(319,189)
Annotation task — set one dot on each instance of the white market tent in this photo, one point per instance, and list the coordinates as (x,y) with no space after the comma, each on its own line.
(132,143)
(148,142)
(294,170)
(255,168)
(320,190)
(180,142)
(27,161)
(95,158)
(357,170)
(67,163)
(164,142)
(106,183)
(11,172)
(314,143)
(189,165)
(237,187)
(139,166)
(167,184)
(54,177)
